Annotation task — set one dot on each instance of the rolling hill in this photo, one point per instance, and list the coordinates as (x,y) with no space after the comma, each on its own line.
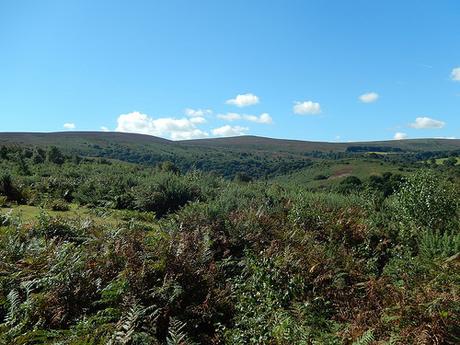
(296,146)
(245,142)
(256,156)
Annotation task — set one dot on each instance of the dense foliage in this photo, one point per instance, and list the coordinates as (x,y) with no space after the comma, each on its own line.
(198,259)
(257,157)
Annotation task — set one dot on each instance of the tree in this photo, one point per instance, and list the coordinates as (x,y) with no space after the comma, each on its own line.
(350,184)
(8,189)
(76,159)
(450,162)
(168,166)
(38,156)
(427,200)
(54,155)
(22,165)
(4,152)
(242,177)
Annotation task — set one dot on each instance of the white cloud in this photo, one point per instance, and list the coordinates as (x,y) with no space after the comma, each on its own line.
(369,97)
(455,75)
(400,136)
(69,125)
(197,120)
(176,129)
(229,131)
(426,123)
(264,118)
(104,129)
(197,112)
(230,116)
(244,100)
(306,107)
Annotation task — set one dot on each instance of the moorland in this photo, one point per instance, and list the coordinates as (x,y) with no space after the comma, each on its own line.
(115,238)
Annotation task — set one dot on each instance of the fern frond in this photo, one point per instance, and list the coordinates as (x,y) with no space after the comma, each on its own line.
(176,336)
(438,244)
(14,301)
(28,286)
(129,324)
(366,339)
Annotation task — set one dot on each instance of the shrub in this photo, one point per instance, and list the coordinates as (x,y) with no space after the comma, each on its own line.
(426,200)
(168,166)
(38,156)
(387,184)
(242,177)
(450,162)
(59,205)
(3,201)
(57,228)
(5,218)
(8,189)
(167,193)
(350,184)
(54,155)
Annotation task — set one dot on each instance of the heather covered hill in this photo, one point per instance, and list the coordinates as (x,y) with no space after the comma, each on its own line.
(296,146)
(79,140)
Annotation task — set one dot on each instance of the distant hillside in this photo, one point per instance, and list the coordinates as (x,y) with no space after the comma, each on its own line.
(75,138)
(246,142)
(255,156)
(295,146)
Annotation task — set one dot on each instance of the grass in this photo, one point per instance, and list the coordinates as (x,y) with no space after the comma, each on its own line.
(336,171)
(30,214)
(440,161)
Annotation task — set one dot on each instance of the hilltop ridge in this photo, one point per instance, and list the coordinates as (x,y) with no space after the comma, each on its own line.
(241,142)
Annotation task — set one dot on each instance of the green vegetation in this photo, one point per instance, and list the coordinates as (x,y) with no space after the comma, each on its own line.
(343,250)
(257,157)
(326,174)
(450,161)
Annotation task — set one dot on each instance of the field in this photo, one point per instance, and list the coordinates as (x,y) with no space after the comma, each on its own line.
(31,214)
(345,247)
(327,174)
(441,161)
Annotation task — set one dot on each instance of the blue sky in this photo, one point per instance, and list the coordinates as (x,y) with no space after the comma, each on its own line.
(311,70)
